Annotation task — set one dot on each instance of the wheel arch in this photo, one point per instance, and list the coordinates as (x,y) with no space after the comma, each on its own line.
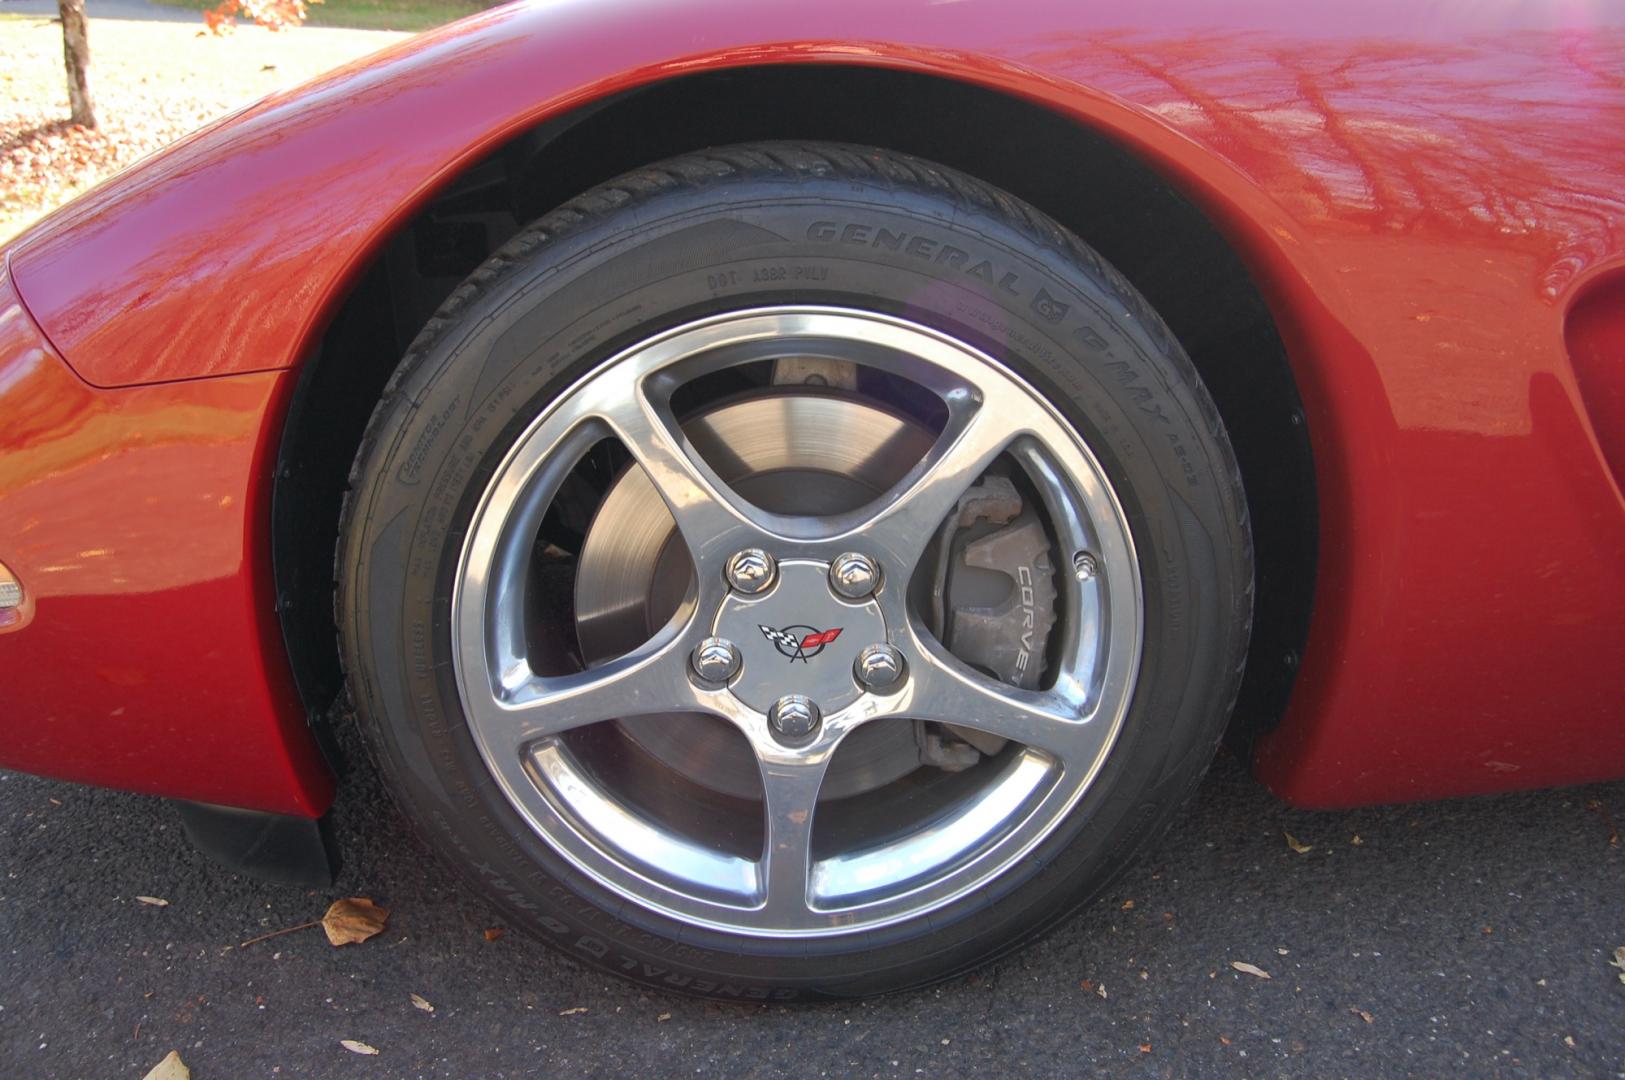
(1146,216)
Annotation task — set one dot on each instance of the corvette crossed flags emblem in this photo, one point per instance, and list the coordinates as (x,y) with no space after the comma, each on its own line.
(799,646)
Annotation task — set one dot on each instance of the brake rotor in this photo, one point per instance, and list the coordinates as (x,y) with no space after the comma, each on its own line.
(789,453)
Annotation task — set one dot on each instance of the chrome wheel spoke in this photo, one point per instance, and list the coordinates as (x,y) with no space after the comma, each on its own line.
(790,793)
(946,691)
(912,511)
(711,520)
(651,680)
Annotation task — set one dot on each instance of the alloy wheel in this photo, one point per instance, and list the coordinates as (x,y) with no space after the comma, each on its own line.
(729,606)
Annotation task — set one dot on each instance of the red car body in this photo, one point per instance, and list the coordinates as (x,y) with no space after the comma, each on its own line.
(1430,197)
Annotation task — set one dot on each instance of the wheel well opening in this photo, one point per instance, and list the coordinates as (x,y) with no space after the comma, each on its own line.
(1131,214)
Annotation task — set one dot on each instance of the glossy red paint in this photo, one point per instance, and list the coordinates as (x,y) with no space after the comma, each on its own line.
(1420,191)
(135,520)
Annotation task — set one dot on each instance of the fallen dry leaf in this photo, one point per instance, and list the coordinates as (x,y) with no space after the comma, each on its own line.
(1225,1039)
(1145,1048)
(171,1068)
(354,919)
(1355,840)
(1086,984)
(1249,969)
(346,921)
(422,1003)
(359,1047)
(494,933)
(574,1011)
(1128,905)
(1101,989)
(155,901)
(1361,1013)
(662,1018)
(1619,962)
(1297,845)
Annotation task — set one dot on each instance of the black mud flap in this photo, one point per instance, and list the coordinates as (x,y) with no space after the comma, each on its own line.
(278,848)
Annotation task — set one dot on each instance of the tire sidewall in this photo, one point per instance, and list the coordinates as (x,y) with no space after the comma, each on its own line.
(557,303)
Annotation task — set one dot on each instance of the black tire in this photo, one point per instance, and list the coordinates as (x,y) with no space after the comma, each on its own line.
(683,239)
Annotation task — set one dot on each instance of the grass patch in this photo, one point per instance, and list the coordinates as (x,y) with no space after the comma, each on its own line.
(409,15)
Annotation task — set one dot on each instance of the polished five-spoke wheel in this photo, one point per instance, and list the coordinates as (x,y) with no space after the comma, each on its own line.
(754,570)
(793,570)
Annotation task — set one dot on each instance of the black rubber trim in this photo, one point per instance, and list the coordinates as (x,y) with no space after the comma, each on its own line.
(278,848)
(300,601)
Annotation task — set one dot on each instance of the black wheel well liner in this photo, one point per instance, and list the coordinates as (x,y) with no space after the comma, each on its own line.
(1116,203)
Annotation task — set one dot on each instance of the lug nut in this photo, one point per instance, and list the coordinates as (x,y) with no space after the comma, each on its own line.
(751,571)
(1086,565)
(793,716)
(854,576)
(878,667)
(715,660)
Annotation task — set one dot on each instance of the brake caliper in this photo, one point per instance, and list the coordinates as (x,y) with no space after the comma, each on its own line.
(993,604)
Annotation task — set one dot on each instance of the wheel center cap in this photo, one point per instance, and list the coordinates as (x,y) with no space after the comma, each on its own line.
(798,637)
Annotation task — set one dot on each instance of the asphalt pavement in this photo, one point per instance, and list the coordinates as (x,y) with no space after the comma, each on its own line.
(1465,938)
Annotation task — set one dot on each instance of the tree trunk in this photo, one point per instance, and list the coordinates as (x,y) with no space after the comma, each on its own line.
(76,52)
